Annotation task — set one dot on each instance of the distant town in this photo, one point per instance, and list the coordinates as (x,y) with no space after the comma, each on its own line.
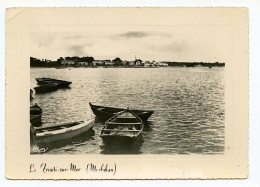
(117,62)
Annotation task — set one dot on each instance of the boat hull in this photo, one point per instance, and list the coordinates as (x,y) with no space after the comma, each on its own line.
(36,120)
(123,128)
(63,135)
(46,88)
(35,110)
(119,140)
(61,83)
(105,113)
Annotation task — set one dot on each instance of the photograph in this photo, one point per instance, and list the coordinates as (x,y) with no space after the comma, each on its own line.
(127,93)
(129,90)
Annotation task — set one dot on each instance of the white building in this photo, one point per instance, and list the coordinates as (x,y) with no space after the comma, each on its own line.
(131,63)
(83,63)
(108,63)
(137,63)
(67,62)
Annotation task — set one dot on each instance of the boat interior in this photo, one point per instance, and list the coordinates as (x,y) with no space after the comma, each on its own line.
(124,123)
(57,127)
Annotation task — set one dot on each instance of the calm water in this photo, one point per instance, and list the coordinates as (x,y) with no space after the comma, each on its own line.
(188,103)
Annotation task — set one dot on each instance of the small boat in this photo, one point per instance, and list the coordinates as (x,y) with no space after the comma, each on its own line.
(123,128)
(36,120)
(36,115)
(104,113)
(62,131)
(35,110)
(31,92)
(47,88)
(61,83)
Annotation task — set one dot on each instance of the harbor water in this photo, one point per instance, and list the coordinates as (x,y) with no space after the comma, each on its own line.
(188,104)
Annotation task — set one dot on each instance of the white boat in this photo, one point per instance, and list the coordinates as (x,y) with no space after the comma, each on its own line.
(62,131)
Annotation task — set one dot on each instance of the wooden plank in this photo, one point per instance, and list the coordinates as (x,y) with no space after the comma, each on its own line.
(113,130)
(115,123)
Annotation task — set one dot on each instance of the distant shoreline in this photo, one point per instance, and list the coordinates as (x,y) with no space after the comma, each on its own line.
(128,67)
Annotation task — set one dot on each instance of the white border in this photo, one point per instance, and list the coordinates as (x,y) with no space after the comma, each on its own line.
(254,88)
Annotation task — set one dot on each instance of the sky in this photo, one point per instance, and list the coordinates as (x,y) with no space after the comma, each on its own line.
(183,43)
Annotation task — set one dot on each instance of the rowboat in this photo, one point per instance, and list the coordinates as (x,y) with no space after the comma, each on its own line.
(47,88)
(36,115)
(123,128)
(35,110)
(104,113)
(31,92)
(62,131)
(61,83)
(36,120)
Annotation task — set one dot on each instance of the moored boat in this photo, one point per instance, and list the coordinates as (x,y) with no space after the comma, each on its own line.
(31,92)
(35,110)
(36,115)
(61,83)
(36,120)
(62,131)
(104,113)
(47,88)
(123,128)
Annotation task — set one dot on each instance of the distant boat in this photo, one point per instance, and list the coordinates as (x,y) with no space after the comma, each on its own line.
(104,113)
(123,128)
(62,131)
(47,88)
(62,83)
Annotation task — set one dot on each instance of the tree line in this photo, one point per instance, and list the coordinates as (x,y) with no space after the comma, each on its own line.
(35,62)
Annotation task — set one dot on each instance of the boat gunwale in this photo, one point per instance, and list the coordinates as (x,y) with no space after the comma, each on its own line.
(63,130)
(114,108)
(113,117)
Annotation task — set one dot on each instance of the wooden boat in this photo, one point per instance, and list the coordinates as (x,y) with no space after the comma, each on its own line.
(47,88)
(61,83)
(123,128)
(31,92)
(35,110)
(36,120)
(62,131)
(104,113)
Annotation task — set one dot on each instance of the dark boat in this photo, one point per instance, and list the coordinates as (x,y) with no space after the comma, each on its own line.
(104,113)
(61,83)
(31,92)
(36,120)
(35,110)
(123,128)
(62,131)
(47,88)
(36,115)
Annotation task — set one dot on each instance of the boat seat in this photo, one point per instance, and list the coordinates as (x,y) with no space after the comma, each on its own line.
(128,117)
(115,130)
(116,123)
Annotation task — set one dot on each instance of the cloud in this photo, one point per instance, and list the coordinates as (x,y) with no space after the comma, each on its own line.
(175,46)
(134,34)
(77,50)
(139,35)
(73,37)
